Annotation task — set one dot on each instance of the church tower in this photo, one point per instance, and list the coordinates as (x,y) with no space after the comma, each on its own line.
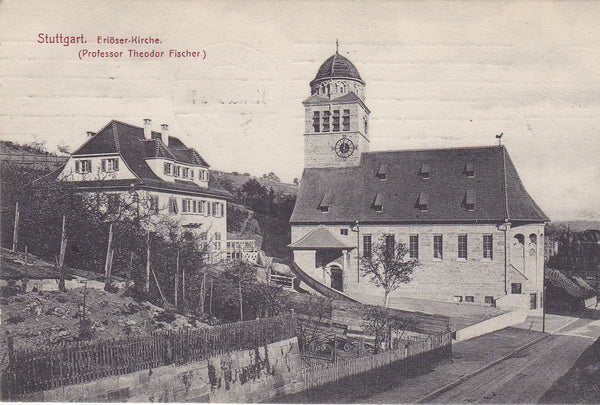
(336,116)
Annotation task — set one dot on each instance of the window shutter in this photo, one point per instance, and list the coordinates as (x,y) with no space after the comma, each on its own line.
(103,165)
(77,166)
(116,164)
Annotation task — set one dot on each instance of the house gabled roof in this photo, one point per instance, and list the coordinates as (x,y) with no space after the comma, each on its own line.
(320,237)
(500,195)
(128,141)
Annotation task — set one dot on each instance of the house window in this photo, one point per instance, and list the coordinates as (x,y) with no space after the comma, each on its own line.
(326,116)
(344,232)
(515,288)
(203,208)
(110,165)
(462,246)
(367,245)
(487,246)
(437,246)
(390,245)
(346,120)
(154,204)
(489,299)
(173,209)
(316,121)
(83,166)
(458,298)
(336,120)
(413,246)
(186,172)
(167,168)
(533,301)
(186,205)
(469,298)
(177,171)
(191,173)
(194,205)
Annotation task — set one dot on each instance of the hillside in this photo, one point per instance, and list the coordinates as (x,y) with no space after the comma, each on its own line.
(235,180)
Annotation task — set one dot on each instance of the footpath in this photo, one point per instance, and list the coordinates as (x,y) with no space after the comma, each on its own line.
(484,355)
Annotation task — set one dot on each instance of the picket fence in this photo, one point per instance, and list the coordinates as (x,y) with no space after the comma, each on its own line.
(73,363)
(319,374)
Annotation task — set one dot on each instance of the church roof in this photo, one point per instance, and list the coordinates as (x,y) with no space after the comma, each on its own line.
(320,237)
(418,186)
(337,66)
(349,98)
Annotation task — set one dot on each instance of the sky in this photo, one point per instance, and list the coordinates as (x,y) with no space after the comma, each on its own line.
(438,74)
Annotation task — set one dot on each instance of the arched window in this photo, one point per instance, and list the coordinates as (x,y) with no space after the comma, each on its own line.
(533,238)
(520,238)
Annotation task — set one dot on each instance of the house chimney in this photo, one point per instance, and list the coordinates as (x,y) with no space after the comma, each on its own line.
(90,134)
(147,128)
(164,130)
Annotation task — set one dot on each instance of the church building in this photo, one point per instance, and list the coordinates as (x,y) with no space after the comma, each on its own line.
(462,212)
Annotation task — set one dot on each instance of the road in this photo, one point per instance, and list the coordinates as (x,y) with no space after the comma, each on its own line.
(515,375)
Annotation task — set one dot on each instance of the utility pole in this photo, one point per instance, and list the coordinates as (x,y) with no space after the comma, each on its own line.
(176,277)
(107,261)
(16,228)
(61,259)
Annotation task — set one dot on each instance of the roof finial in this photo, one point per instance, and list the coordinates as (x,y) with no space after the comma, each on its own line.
(337,45)
(499,138)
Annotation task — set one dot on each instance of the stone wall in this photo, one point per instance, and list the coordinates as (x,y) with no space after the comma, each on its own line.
(244,376)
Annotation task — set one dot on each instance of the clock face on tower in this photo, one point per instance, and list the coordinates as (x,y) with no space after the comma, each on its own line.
(344,148)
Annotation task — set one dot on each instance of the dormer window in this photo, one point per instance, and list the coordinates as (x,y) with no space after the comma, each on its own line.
(110,165)
(83,166)
(325,202)
(185,172)
(382,172)
(167,168)
(177,171)
(426,171)
(470,169)
(326,117)
(192,174)
(378,203)
(423,202)
(316,121)
(203,175)
(470,200)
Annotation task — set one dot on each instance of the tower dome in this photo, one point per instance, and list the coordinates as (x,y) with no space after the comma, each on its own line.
(336,77)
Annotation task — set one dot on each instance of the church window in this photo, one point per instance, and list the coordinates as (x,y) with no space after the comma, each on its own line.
(470,200)
(346,120)
(533,238)
(489,299)
(325,202)
(167,168)
(316,121)
(378,203)
(366,125)
(413,246)
(458,298)
(426,171)
(469,298)
(438,247)
(423,202)
(326,115)
(390,245)
(487,246)
(470,169)
(515,288)
(336,120)
(462,246)
(367,245)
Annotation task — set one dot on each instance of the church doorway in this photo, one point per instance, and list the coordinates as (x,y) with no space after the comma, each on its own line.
(337,278)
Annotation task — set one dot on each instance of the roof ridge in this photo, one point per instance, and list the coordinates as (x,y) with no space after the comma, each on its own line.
(428,149)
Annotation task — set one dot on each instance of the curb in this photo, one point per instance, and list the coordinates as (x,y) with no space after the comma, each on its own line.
(462,379)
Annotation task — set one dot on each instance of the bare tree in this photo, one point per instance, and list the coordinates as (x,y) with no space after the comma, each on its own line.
(388,267)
